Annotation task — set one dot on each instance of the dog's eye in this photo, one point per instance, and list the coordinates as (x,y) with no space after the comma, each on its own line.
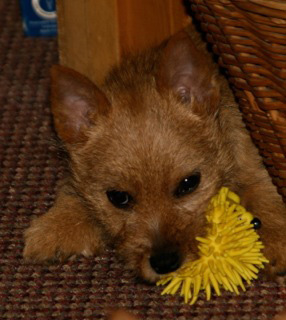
(188,184)
(119,199)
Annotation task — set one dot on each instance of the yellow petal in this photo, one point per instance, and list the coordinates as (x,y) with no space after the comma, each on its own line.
(215,283)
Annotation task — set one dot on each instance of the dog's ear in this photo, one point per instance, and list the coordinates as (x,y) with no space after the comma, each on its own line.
(76,102)
(188,73)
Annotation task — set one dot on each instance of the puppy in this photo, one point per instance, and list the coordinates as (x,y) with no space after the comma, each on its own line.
(147,151)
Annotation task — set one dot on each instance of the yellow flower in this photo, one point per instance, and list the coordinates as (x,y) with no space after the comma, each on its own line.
(229,254)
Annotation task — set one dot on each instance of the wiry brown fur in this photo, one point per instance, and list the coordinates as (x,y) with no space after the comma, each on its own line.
(145,130)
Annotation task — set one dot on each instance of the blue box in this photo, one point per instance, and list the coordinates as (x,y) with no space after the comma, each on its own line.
(39,17)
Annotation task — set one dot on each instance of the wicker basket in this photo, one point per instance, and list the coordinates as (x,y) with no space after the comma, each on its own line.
(250,38)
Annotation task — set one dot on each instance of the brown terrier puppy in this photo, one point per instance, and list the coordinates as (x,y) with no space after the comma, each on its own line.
(147,152)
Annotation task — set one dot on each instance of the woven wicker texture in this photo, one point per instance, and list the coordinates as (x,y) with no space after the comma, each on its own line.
(250,38)
(30,168)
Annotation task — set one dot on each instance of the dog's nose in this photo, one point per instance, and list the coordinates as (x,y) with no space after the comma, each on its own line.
(165,262)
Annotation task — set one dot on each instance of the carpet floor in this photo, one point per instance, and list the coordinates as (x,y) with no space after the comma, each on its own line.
(30,166)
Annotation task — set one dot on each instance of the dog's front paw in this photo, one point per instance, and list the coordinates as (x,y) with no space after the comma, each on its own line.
(276,266)
(59,237)
(44,242)
(275,252)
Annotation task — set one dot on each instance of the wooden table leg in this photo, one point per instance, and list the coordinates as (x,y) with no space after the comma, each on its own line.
(94,34)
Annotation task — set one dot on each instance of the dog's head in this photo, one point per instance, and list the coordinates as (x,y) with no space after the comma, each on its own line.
(146,151)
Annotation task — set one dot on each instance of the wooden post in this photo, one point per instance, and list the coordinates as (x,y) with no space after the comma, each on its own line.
(94,34)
